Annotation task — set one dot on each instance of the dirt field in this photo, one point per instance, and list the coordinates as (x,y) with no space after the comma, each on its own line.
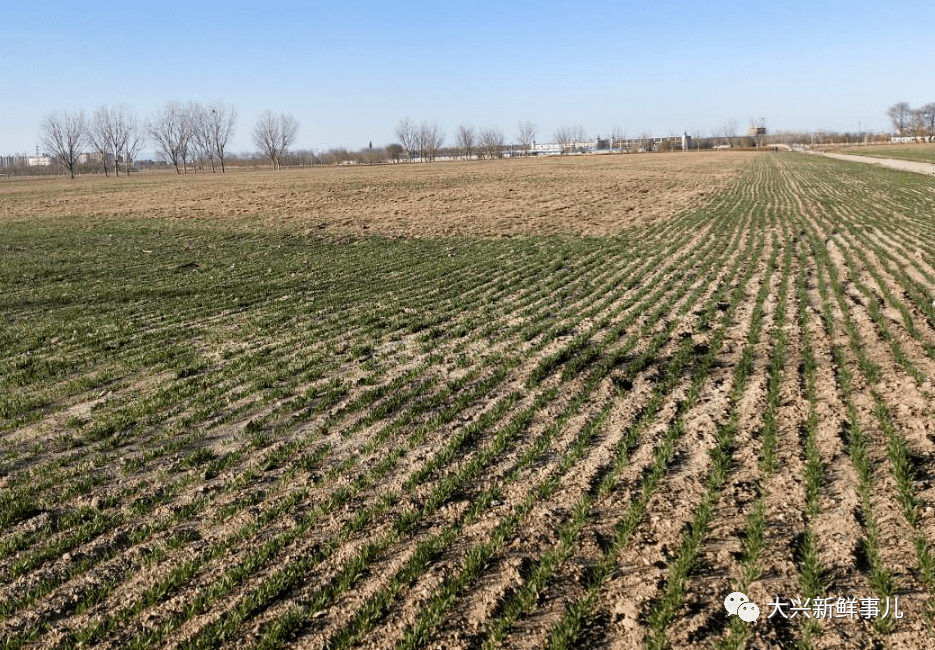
(236,419)
(590,195)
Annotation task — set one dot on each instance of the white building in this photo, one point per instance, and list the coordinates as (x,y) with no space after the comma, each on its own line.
(17,160)
(649,143)
(906,139)
(545,148)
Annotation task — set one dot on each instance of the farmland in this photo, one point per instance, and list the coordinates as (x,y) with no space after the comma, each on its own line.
(561,403)
(924,153)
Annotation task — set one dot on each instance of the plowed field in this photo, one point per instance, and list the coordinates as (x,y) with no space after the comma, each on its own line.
(355,414)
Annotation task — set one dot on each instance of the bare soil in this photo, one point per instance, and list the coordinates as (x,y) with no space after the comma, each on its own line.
(586,195)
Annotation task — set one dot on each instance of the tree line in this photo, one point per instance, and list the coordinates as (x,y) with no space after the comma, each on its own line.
(190,135)
(908,121)
(196,136)
(425,140)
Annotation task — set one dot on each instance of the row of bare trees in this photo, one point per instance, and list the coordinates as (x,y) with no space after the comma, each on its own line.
(192,133)
(64,136)
(181,134)
(200,134)
(112,132)
(568,137)
(425,140)
(274,134)
(908,121)
(115,131)
(486,142)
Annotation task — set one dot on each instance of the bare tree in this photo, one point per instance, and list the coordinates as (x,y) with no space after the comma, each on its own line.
(63,135)
(421,137)
(305,157)
(394,151)
(288,130)
(406,131)
(696,138)
(337,155)
(617,137)
(266,136)
(430,138)
(222,119)
(189,147)
(526,135)
(917,123)
(730,128)
(726,132)
(274,134)
(579,135)
(646,142)
(99,135)
(900,114)
(203,148)
(717,135)
(465,139)
(569,137)
(563,136)
(136,138)
(928,118)
(120,125)
(169,129)
(491,140)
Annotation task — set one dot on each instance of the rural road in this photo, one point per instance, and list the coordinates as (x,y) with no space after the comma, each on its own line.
(905,165)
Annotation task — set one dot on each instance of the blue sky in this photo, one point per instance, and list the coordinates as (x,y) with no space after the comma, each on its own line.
(349,70)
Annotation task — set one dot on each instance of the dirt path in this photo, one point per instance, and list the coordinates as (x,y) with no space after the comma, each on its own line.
(895,163)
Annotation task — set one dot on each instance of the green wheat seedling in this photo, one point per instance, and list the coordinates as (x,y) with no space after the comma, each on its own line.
(662,459)
(880,577)
(668,604)
(480,555)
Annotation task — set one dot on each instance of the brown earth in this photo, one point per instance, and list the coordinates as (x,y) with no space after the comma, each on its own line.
(587,195)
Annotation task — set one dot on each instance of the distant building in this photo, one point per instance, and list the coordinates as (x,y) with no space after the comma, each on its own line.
(668,143)
(17,160)
(906,139)
(94,157)
(545,148)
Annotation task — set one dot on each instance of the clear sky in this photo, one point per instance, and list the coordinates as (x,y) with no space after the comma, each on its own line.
(348,70)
